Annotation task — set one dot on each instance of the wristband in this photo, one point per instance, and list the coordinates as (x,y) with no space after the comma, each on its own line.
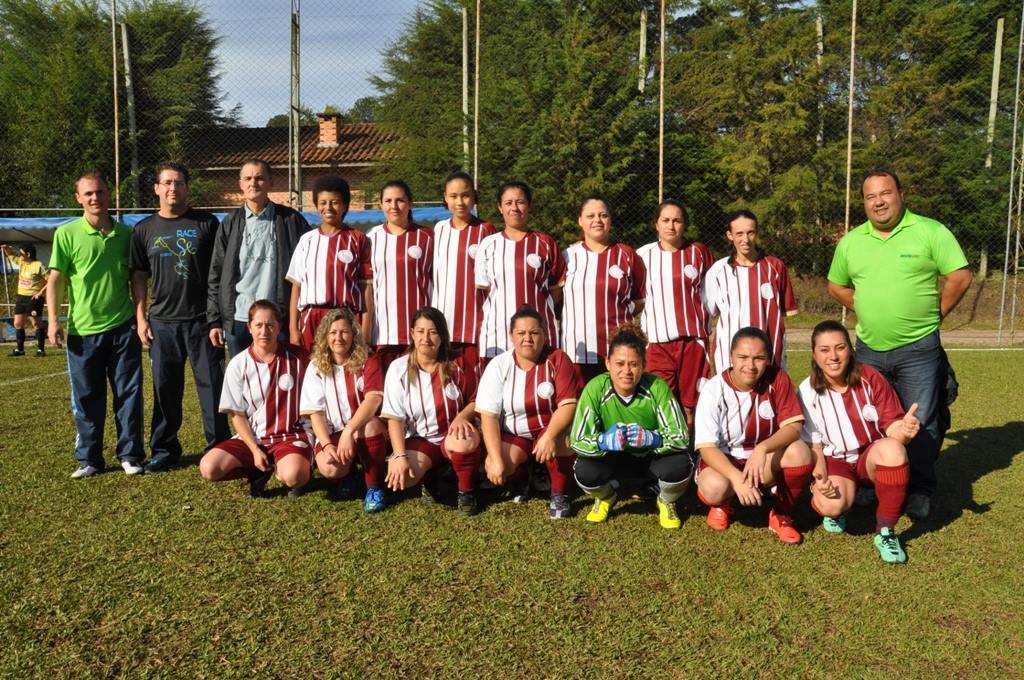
(318,447)
(402,454)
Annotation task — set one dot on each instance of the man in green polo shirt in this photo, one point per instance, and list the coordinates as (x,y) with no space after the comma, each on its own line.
(90,255)
(886,270)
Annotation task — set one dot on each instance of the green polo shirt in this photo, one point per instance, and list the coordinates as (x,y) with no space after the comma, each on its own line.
(96,269)
(895,279)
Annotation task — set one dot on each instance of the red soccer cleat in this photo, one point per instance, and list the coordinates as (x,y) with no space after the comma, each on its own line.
(782,526)
(719,516)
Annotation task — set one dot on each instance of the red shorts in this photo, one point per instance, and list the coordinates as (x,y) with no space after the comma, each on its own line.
(240,451)
(857,472)
(683,364)
(435,452)
(386,354)
(468,357)
(587,372)
(515,440)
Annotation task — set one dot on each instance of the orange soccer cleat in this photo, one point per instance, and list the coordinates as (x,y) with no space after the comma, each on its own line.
(782,526)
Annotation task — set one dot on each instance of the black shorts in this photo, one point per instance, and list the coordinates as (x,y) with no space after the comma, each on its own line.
(29,306)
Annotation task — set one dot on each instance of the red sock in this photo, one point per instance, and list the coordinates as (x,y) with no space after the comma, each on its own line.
(891,489)
(788,489)
(465,465)
(372,452)
(560,469)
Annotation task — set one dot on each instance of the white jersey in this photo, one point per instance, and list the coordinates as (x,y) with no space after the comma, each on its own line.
(338,394)
(426,406)
(524,401)
(402,268)
(516,273)
(846,423)
(454,291)
(267,394)
(759,295)
(331,269)
(674,307)
(601,291)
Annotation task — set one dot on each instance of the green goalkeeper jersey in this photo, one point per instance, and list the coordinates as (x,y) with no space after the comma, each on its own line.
(652,406)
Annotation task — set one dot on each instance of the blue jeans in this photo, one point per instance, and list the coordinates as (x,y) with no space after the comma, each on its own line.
(918,374)
(113,356)
(174,344)
(237,338)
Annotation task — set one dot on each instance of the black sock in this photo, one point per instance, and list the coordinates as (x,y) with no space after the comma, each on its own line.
(40,337)
(19,334)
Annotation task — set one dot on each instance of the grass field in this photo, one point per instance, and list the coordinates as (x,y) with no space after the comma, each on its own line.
(168,576)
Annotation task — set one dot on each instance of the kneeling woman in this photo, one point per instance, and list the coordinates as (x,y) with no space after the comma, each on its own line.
(428,403)
(261,396)
(526,401)
(748,433)
(628,420)
(858,433)
(341,394)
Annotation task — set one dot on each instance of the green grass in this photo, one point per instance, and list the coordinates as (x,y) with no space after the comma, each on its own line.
(168,576)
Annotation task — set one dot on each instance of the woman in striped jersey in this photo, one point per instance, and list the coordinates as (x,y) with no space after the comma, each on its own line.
(428,405)
(341,394)
(604,288)
(526,400)
(456,243)
(402,264)
(517,266)
(261,396)
(748,288)
(674,317)
(858,432)
(748,435)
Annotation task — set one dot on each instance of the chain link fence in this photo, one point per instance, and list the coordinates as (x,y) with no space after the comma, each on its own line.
(564,96)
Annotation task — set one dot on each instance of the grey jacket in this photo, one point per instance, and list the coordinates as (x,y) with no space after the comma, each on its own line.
(224,274)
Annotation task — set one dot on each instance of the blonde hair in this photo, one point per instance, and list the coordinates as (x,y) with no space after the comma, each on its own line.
(323,357)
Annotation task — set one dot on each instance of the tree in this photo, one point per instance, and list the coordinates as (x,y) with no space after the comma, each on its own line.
(306,117)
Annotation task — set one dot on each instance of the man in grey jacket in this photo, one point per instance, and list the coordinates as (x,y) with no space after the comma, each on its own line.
(250,258)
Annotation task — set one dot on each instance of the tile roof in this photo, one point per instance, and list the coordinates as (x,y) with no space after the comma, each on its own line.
(360,143)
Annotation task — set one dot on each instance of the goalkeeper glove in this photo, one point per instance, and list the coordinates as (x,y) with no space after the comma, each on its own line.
(613,439)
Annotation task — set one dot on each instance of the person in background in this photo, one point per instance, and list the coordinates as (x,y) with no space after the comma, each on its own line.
(30,296)
(174,247)
(90,256)
(251,254)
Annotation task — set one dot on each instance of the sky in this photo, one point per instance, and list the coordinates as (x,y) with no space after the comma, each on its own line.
(340,47)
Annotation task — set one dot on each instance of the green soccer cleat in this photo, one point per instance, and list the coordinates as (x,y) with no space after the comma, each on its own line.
(889,548)
(834,526)
(667,516)
(599,512)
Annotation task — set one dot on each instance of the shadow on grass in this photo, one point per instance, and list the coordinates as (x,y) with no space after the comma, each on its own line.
(973,454)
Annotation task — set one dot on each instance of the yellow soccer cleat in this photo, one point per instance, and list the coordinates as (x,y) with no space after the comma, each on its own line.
(599,512)
(667,517)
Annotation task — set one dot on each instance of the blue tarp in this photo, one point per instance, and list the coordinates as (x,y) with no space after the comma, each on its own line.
(424,216)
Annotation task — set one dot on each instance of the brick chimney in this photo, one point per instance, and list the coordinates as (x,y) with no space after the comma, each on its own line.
(330,132)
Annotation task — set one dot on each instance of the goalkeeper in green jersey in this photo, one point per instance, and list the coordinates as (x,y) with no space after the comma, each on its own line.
(629,421)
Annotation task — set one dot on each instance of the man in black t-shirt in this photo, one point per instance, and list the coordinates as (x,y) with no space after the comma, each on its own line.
(174,246)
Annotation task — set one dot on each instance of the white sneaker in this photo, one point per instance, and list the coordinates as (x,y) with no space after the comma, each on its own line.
(131,468)
(84,471)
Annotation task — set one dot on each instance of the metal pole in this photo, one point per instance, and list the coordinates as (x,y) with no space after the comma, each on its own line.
(117,132)
(465,87)
(642,52)
(476,101)
(849,123)
(997,59)
(661,108)
(294,121)
(130,101)
(1014,169)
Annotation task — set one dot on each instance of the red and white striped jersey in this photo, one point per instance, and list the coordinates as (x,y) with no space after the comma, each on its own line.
(455,292)
(267,394)
(331,269)
(524,401)
(338,394)
(516,273)
(600,291)
(845,423)
(674,307)
(402,269)
(736,421)
(426,406)
(759,296)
